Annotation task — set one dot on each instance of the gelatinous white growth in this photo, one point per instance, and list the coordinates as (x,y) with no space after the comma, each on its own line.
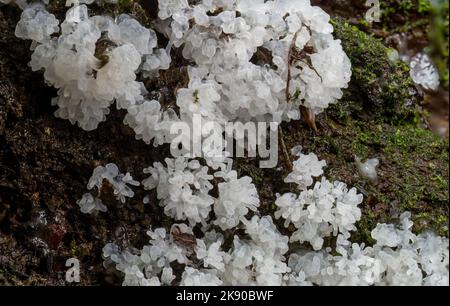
(236,198)
(240,54)
(327,209)
(36,24)
(211,255)
(225,36)
(88,204)
(368,169)
(194,277)
(399,257)
(423,72)
(183,187)
(305,168)
(150,123)
(118,181)
(94,61)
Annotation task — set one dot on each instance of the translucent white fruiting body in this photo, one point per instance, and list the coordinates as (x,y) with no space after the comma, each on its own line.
(150,123)
(36,24)
(368,169)
(94,61)
(221,39)
(236,198)
(117,180)
(399,257)
(88,204)
(183,188)
(327,209)
(305,168)
(423,72)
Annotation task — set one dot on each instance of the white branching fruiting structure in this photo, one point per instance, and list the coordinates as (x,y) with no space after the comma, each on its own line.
(423,72)
(237,196)
(368,169)
(89,205)
(249,60)
(118,181)
(92,62)
(327,208)
(226,35)
(36,24)
(305,168)
(183,188)
(399,257)
(95,61)
(316,213)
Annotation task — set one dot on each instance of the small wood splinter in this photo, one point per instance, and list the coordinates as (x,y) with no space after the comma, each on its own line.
(183,239)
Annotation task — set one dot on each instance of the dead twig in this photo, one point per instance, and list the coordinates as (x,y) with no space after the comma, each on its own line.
(183,239)
(309,116)
(303,56)
(290,57)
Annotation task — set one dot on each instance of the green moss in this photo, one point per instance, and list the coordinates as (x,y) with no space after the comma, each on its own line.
(424,6)
(440,223)
(407,9)
(414,171)
(378,84)
(125,5)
